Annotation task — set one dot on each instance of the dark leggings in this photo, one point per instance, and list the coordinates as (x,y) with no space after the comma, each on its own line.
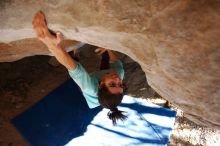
(105,61)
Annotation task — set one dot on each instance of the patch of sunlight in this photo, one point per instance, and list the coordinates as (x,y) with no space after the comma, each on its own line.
(144,126)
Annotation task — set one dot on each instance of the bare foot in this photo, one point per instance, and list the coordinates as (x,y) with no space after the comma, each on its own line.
(43,33)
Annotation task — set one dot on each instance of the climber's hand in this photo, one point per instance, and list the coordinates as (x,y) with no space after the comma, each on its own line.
(43,33)
(52,42)
(100,51)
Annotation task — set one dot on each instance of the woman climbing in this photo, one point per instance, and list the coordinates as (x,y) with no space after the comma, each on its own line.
(103,87)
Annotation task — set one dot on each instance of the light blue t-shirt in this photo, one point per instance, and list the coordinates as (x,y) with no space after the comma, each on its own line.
(89,82)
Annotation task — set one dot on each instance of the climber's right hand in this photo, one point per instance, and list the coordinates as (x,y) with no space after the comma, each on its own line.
(43,33)
(100,51)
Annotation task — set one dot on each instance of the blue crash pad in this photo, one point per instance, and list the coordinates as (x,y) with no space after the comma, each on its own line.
(63,118)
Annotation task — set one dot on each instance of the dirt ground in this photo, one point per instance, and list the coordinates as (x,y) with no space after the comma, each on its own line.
(25,82)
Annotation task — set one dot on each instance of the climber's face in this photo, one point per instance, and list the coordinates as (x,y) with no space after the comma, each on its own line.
(113,83)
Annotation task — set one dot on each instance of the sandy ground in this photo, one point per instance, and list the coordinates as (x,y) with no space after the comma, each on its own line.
(25,82)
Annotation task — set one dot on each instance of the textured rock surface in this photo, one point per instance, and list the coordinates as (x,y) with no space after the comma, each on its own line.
(175,42)
(28,47)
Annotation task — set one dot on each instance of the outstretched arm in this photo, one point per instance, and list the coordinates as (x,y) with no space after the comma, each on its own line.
(63,57)
(52,41)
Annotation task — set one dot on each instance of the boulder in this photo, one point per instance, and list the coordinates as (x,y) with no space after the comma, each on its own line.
(175,42)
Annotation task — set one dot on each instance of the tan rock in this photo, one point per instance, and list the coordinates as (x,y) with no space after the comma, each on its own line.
(175,42)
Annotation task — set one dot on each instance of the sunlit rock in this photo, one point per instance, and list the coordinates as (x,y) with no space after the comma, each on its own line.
(175,42)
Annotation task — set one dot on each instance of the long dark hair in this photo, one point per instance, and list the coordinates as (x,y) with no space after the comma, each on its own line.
(111,101)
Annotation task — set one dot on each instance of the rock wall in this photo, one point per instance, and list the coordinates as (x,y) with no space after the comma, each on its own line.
(175,42)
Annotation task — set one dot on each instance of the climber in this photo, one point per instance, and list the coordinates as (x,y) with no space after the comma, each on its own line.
(104,87)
